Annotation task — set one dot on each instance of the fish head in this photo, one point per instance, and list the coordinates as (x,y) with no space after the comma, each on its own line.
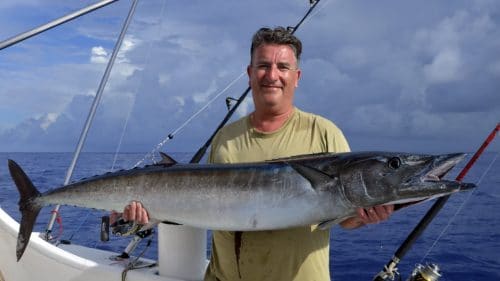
(399,178)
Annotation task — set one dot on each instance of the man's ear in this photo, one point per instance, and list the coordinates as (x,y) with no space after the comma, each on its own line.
(249,73)
(299,73)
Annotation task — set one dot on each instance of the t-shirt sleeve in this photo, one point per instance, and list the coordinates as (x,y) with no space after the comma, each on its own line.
(333,136)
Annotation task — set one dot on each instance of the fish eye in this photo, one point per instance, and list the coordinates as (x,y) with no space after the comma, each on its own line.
(394,163)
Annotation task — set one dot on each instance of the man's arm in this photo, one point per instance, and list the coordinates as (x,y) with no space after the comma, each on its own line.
(368,216)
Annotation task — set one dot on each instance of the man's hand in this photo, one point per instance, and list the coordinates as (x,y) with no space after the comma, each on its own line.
(134,211)
(132,221)
(368,216)
(376,214)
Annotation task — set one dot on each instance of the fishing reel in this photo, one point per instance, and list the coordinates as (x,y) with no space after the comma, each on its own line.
(429,272)
(122,228)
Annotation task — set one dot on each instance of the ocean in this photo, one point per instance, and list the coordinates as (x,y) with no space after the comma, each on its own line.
(464,239)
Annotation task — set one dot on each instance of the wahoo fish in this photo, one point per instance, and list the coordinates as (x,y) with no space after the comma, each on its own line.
(304,190)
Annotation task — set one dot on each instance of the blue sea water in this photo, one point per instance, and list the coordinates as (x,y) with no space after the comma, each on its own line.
(464,239)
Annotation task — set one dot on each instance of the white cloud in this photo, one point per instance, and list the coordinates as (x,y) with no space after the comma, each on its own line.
(366,66)
(203,97)
(48,119)
(98,55)
(351,56)
(180,100)
(446,66)
(246,107)
(128,45)
(164,79)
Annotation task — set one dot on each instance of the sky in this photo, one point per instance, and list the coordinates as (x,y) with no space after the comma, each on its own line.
(415,76)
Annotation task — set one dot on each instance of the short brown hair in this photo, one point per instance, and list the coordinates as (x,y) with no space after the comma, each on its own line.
(279,35)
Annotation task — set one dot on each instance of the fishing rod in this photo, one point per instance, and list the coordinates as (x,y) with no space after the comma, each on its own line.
(390,271)
(203,149)
(37,30)
(201,152)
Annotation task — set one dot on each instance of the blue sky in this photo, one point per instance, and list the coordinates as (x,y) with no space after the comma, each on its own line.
(397,76)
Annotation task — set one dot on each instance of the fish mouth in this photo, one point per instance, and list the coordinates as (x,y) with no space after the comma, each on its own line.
(440,166)
(434,174)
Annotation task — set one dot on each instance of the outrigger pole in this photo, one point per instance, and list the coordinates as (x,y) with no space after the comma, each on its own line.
(390,271)
(93,110)
(201,152)
(23,36)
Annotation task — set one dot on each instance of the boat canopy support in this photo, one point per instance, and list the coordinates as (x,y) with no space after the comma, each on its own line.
(25,35)
(92,111)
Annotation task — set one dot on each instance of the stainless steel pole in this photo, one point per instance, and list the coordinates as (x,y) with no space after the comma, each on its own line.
(92,112)
(20,37)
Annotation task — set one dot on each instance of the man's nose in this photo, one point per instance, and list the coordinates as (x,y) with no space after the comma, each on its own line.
(272,73)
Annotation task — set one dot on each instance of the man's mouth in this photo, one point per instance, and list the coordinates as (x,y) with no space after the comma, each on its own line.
(272,86)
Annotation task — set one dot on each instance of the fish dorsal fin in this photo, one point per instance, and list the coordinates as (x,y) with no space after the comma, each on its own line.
(166,159)
(301,157)
(316,177)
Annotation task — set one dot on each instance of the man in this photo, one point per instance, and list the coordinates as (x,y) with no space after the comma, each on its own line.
(275,129)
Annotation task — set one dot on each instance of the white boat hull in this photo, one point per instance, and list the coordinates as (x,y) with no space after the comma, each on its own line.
(44,261)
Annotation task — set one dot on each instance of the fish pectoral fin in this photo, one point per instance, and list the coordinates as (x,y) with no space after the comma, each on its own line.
(329,223)
(152,223)
(316,177)
(166,160)
(171,223)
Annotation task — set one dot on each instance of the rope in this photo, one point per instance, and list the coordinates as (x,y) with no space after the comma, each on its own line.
(59,222)
(459,208)
(132,264)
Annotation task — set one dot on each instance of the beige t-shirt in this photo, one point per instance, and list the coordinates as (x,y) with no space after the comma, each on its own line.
(292,254)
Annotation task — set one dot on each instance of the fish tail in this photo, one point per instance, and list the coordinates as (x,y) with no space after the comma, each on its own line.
(29,210)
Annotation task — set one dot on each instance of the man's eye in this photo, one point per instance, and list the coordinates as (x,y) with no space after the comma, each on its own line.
(284,68)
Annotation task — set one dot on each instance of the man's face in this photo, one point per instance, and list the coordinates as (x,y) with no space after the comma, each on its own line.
(273,75)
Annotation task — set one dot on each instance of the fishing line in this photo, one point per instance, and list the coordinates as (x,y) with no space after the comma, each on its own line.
(326,3)
(460,208)
(147,61)
(171,135)
(80,226)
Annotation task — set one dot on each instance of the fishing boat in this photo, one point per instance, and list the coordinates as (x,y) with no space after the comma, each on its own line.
(181,249)
(46,261)
(186,246)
